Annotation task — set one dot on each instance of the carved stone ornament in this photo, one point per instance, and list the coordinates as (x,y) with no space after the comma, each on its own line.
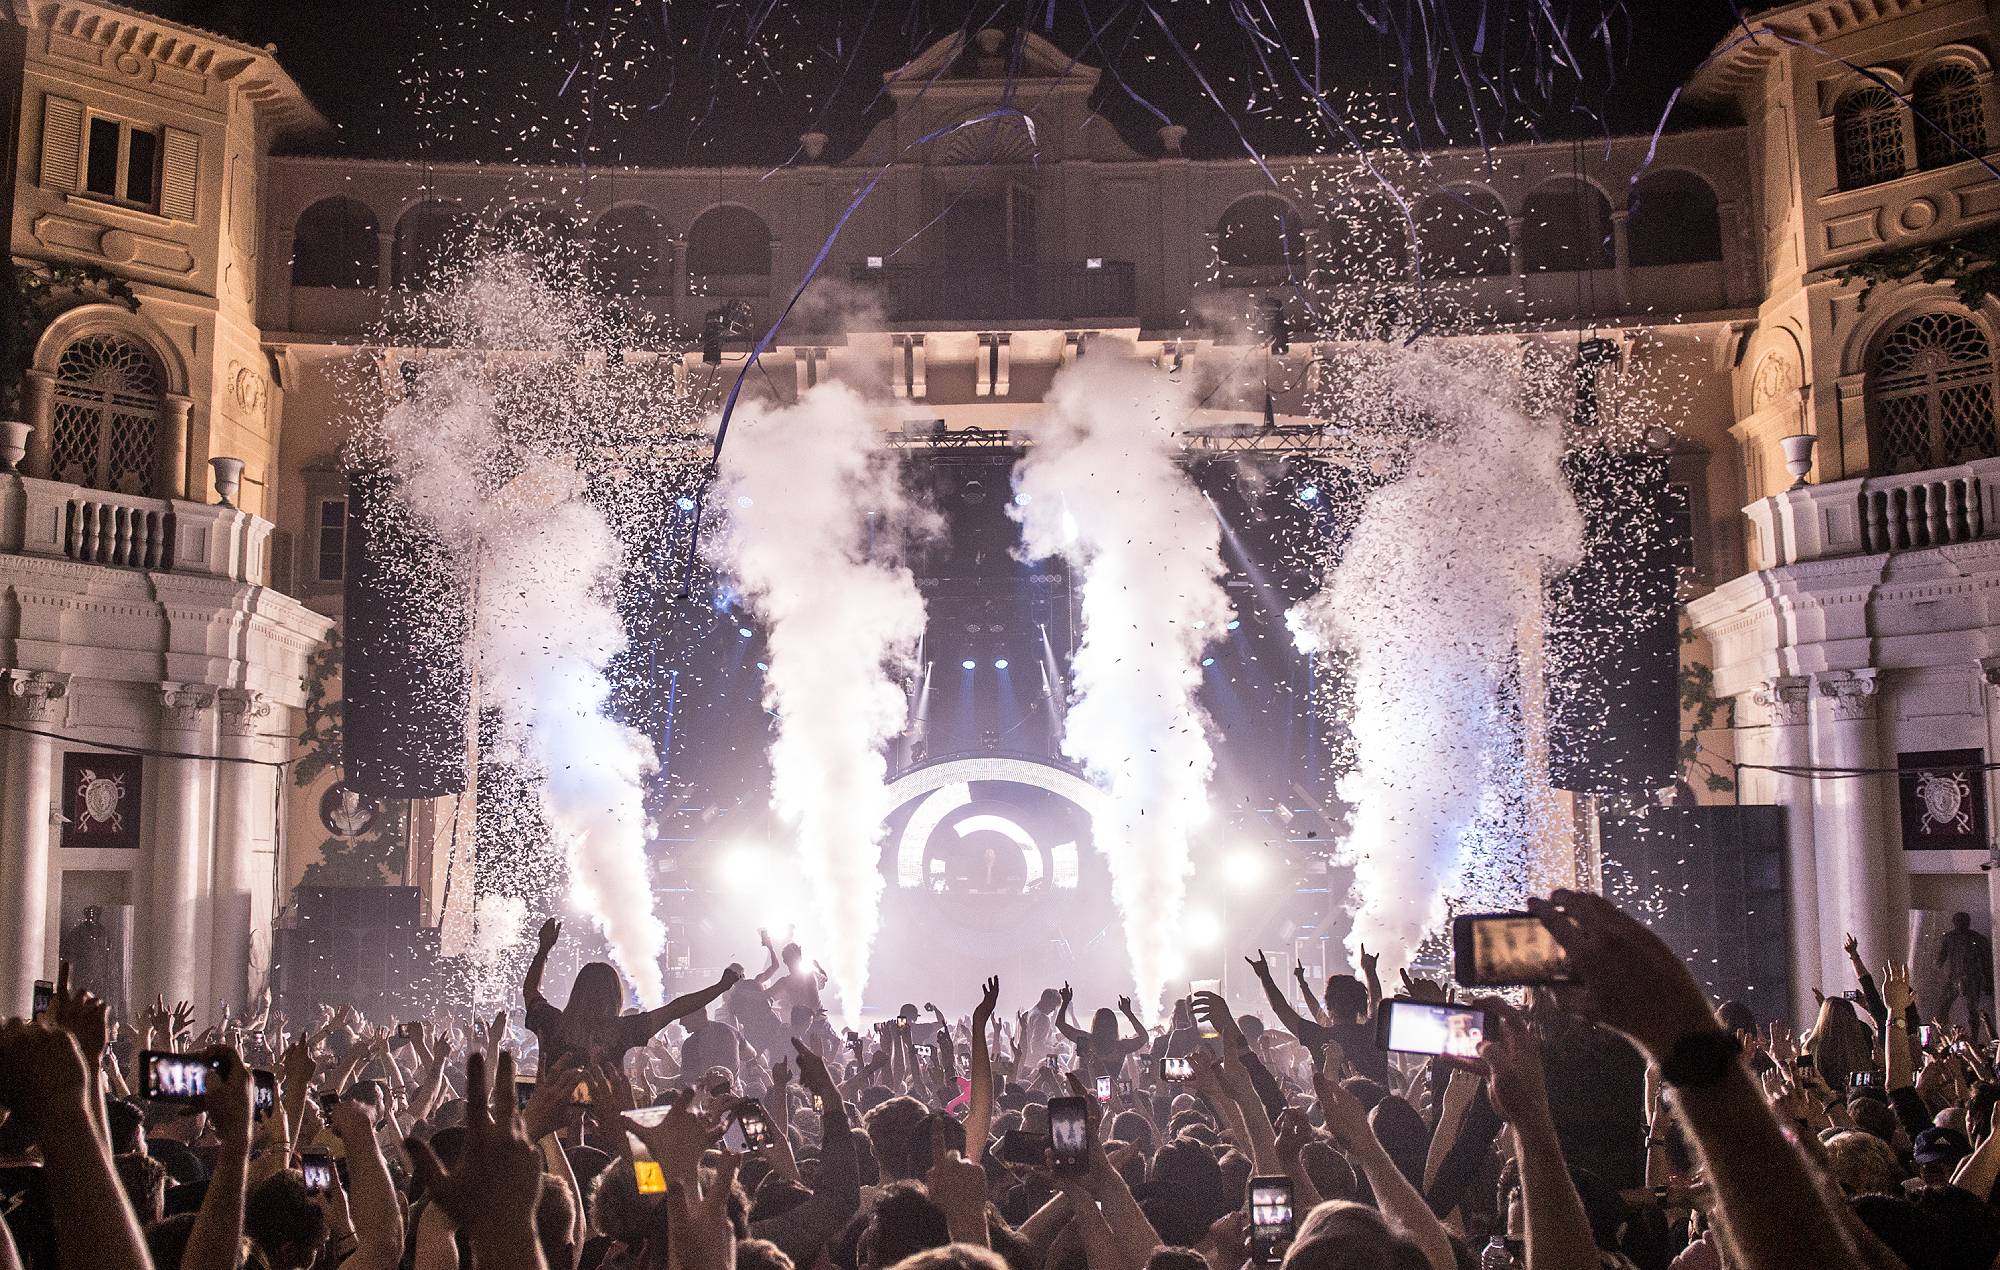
(1784,700)
(184,707)
(243,711)
(1850,693)
(37,697)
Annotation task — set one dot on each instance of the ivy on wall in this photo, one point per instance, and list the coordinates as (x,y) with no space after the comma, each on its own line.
(31,297)
(1701,710)
(1969,262)
(368,859)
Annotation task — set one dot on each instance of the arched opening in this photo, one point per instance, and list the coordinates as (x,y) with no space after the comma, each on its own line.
(626,253)
(1260,232)
(1673,221)
(432,240)
(1930,394)
(336,244)
(1463,232)
(104,420)
(1950,115)
(728,241)
(1566,226)
(1868,138)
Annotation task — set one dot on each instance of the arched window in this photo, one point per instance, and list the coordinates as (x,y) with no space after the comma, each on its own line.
(1868,136)
(335,244)
(431,240)
(104,424)
(1565,226)
(1673,220)
(1259,232)
(1463,233)
(1930,394)
(1951,115)
(728,241)
(625,253)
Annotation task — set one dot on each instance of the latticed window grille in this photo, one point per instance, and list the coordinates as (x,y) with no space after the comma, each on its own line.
(104,428)
(1951,115)
(1931,394)
(1868,132)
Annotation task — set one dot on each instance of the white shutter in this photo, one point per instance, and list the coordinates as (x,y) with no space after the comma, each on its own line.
(179,168)
(62,143)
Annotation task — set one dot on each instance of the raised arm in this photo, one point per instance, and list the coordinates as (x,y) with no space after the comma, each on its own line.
(215,1241)
(1401,1206)
(1291,1019)
(378,1219)
(1077,1036)
(1371,974)
(680,1007)
(979,1108)
(1557,1226)
(545,942)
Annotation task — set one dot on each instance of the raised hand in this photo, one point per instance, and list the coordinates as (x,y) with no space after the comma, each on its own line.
(1261,964)
(1125,1005)
(183,1022)
(548,1106)
(550,932)
(698,1218)
(1346,1118)
(989,1000)
(1067,995)
(1852,945)
(677,1142)
(43,1079)
(1631,980)
(1896,990)
(1370,962)
(492,1192)
(1422,989)
(1514,1081)
(813,1073)
(80,1014)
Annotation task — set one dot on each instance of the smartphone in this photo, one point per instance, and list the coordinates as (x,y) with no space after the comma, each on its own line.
(925,1052)
(1499,950)
(524,1091)
(1104,1089)
(265,1085)
(165,1077)
(651,1177)
(749,1128)
(317,1169)
(45,993)
(1123,1086)
(1069,1134)
(1864,1080)
(1403,1026)
(1927,1035)
(1271,1223)
(1019,1146)
(1204,1027)
(648,1117)
(1176,1071)
(327,1102)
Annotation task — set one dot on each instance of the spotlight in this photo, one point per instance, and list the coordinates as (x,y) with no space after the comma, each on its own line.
(742,867)
(744,631)
(763,665)
(685,503)
(743,500)
(1201,928)
(969,664)
(1246,868)
(1234,624)
(1022,500)
(1310,494)
(1208,661)
(1001,664)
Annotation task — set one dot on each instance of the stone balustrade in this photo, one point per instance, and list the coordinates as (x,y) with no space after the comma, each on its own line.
(58,520)
(1869,515)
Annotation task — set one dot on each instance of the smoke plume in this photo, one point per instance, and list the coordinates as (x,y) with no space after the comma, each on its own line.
(1442,576)
(1101,489)
(817,520)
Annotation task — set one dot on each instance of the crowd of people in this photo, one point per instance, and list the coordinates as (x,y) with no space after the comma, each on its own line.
(1622,1119)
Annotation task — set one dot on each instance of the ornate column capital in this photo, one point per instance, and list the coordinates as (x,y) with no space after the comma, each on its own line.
(1784,699)
(185,707)
(1989,670)
(242,710)
(1849,693)
(38,697)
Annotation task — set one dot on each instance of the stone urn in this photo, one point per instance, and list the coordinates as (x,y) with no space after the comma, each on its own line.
(228,479)
(13,444)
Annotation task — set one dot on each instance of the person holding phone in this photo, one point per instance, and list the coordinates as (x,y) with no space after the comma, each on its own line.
(1102,1051)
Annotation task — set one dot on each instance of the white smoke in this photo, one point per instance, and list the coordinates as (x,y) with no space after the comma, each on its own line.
(1101,489)
(816,521)
(1443,574)
(508,503)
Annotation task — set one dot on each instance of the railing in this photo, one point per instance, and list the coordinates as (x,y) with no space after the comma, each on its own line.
(137,533)
(1932,508)
(976,292)
(60,521)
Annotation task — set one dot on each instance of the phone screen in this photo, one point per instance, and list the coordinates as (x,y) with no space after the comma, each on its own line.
(1176,1071)
(1104,1089)
(166,1077)
(748,1120)
(1204,1027)
(651,1177)
(45,993)
(524,1091)
(1019,1146)
(1271,1222)
(317,1170)
(265,1085)
(1069,1133)
(1506,949)
(1419,1027)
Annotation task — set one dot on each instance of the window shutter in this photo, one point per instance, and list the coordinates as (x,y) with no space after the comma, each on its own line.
(62,143)
(179,166)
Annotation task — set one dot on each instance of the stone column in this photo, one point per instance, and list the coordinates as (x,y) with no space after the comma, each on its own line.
(1621,255)
(177,855)
(171,478)
(1856,882)
(38,399)
(35,699)
(1784,701)
(242,802)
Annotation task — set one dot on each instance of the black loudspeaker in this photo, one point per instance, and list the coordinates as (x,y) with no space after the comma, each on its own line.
(1611,649)
(385,972)
(405,681)
(359,907)
(1710,881)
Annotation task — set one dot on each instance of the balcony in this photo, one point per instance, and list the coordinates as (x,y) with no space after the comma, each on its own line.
(59,521)
(982,293)
(1932,508)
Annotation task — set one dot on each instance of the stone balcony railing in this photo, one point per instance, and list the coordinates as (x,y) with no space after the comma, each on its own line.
(69,522)
(1932,508)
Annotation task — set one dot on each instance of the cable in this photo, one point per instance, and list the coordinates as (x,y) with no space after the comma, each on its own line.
(145,750)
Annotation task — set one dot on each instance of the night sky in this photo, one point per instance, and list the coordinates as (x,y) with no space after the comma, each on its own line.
(736,81)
